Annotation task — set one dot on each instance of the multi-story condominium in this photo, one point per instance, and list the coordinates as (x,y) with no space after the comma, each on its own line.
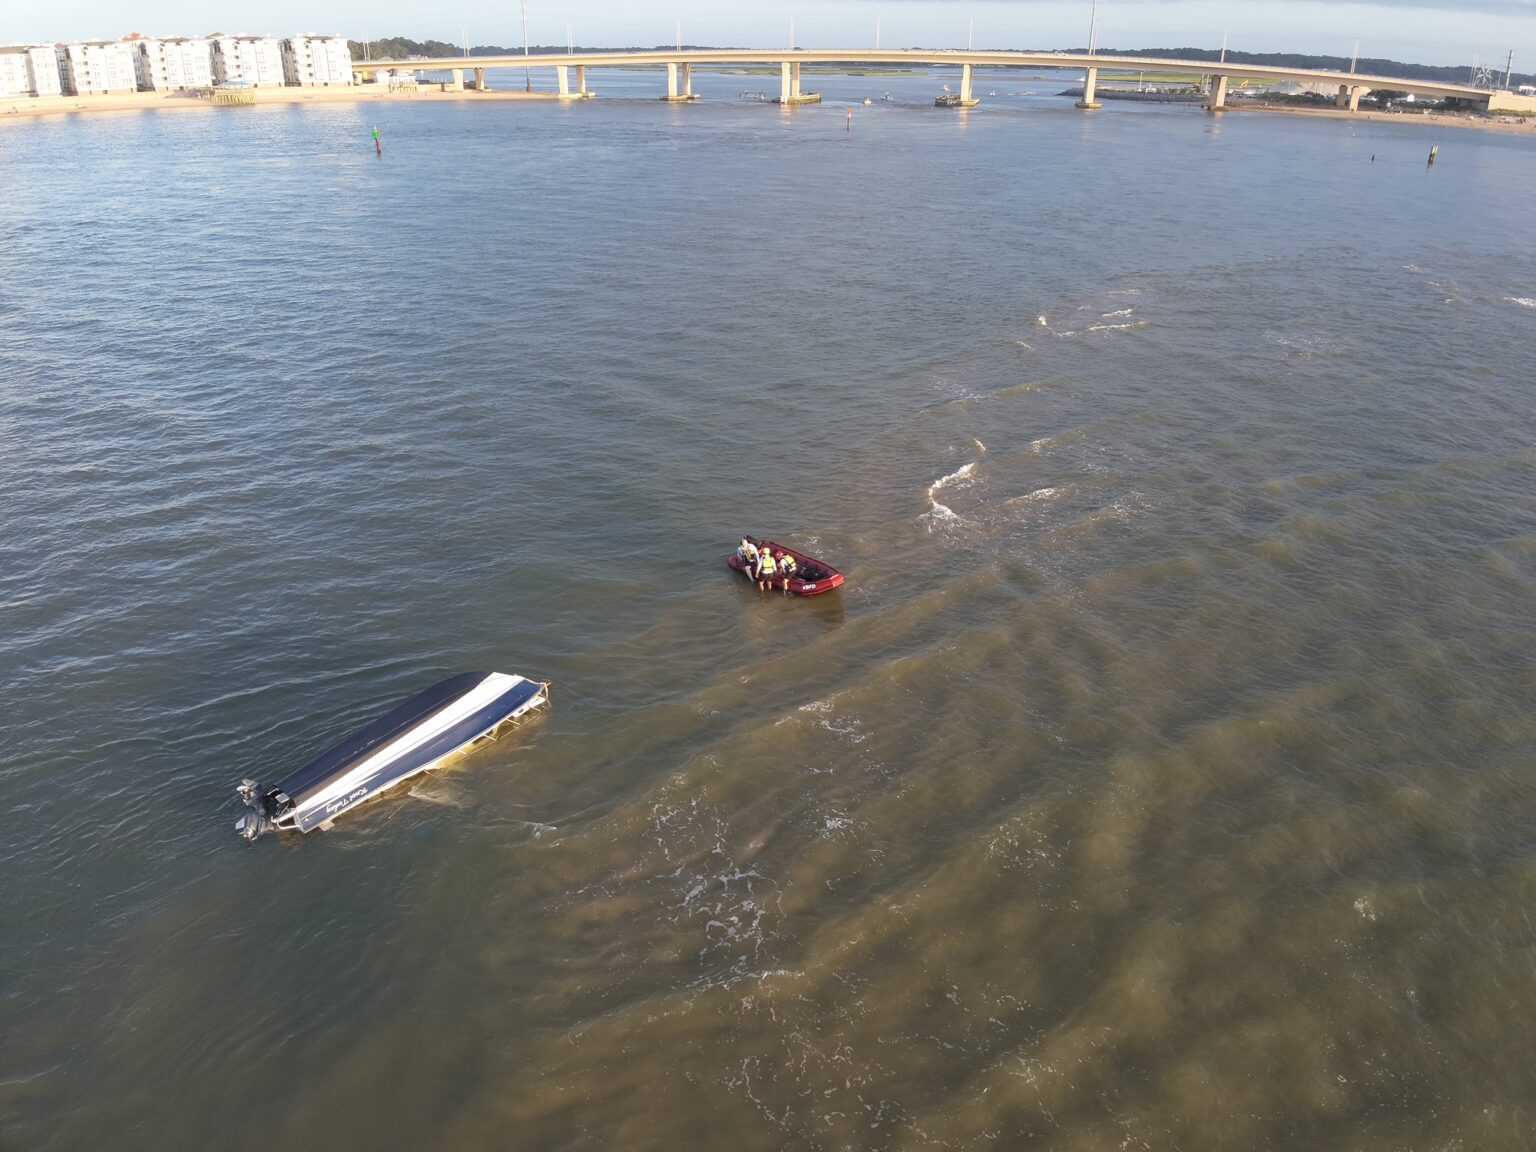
(253,60)
(317,60)
(15,72)
(172,64)
(96,67)
(43,62)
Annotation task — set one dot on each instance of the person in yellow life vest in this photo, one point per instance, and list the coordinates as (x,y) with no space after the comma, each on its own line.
(786,563)
(765,569)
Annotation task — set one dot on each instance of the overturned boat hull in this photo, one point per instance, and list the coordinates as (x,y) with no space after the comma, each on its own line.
(411,738)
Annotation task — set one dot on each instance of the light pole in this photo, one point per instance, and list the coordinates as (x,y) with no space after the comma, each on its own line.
(1093,28)
(527,75)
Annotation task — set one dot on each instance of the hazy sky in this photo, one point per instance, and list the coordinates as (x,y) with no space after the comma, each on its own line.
(1422,31)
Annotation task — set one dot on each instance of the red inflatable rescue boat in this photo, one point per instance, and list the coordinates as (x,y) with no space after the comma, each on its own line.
(812,576)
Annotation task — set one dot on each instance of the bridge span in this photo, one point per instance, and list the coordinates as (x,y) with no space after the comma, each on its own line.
(679,65)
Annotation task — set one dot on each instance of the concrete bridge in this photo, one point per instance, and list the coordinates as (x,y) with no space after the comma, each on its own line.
(679,65)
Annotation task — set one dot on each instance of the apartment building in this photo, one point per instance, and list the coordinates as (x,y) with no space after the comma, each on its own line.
(317,61)
(15,72)
(43,62)
(96,67)
(253,60)
(172,64)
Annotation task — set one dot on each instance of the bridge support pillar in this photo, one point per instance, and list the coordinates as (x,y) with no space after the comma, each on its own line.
(1349,97)
(967,100)
(676,95)
(1218,100)
(457,85)
(1090,90)
(563,80)
(789,86)
(479,79)
(581,81)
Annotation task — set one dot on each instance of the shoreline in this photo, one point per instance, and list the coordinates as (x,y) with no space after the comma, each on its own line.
(1508,124)
(34,107)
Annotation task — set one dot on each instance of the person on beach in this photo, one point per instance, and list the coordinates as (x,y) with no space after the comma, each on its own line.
(765,569)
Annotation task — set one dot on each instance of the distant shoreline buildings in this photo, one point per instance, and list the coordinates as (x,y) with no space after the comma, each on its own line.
(173,64)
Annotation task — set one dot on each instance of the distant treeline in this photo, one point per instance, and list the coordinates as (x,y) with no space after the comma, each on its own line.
(1369,65)
(402,48)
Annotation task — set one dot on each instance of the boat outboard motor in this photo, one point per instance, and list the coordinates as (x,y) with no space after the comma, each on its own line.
(256,821)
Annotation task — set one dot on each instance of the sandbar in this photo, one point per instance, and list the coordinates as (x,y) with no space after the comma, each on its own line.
(26,107)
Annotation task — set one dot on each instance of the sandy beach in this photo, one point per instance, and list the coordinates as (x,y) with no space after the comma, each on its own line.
(24,107)
(1516,124)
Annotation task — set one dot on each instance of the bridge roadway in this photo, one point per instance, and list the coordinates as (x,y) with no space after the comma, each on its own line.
(679,64)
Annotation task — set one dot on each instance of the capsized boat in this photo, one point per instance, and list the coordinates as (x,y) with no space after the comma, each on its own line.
(412,737)
(812,576)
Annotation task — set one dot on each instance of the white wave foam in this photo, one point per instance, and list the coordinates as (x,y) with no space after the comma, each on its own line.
(980,447)
(1122,312)
(958,474)
(939,514)
(1523,301)
(1070,333)
(1024,345)
(1037,494)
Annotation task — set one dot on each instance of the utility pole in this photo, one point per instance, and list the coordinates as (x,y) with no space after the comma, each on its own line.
(1509,70)
(527,75)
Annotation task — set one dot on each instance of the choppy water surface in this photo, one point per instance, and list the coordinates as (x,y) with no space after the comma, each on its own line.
(1162,778)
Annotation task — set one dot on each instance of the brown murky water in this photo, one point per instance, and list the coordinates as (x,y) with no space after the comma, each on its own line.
(1163,778)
